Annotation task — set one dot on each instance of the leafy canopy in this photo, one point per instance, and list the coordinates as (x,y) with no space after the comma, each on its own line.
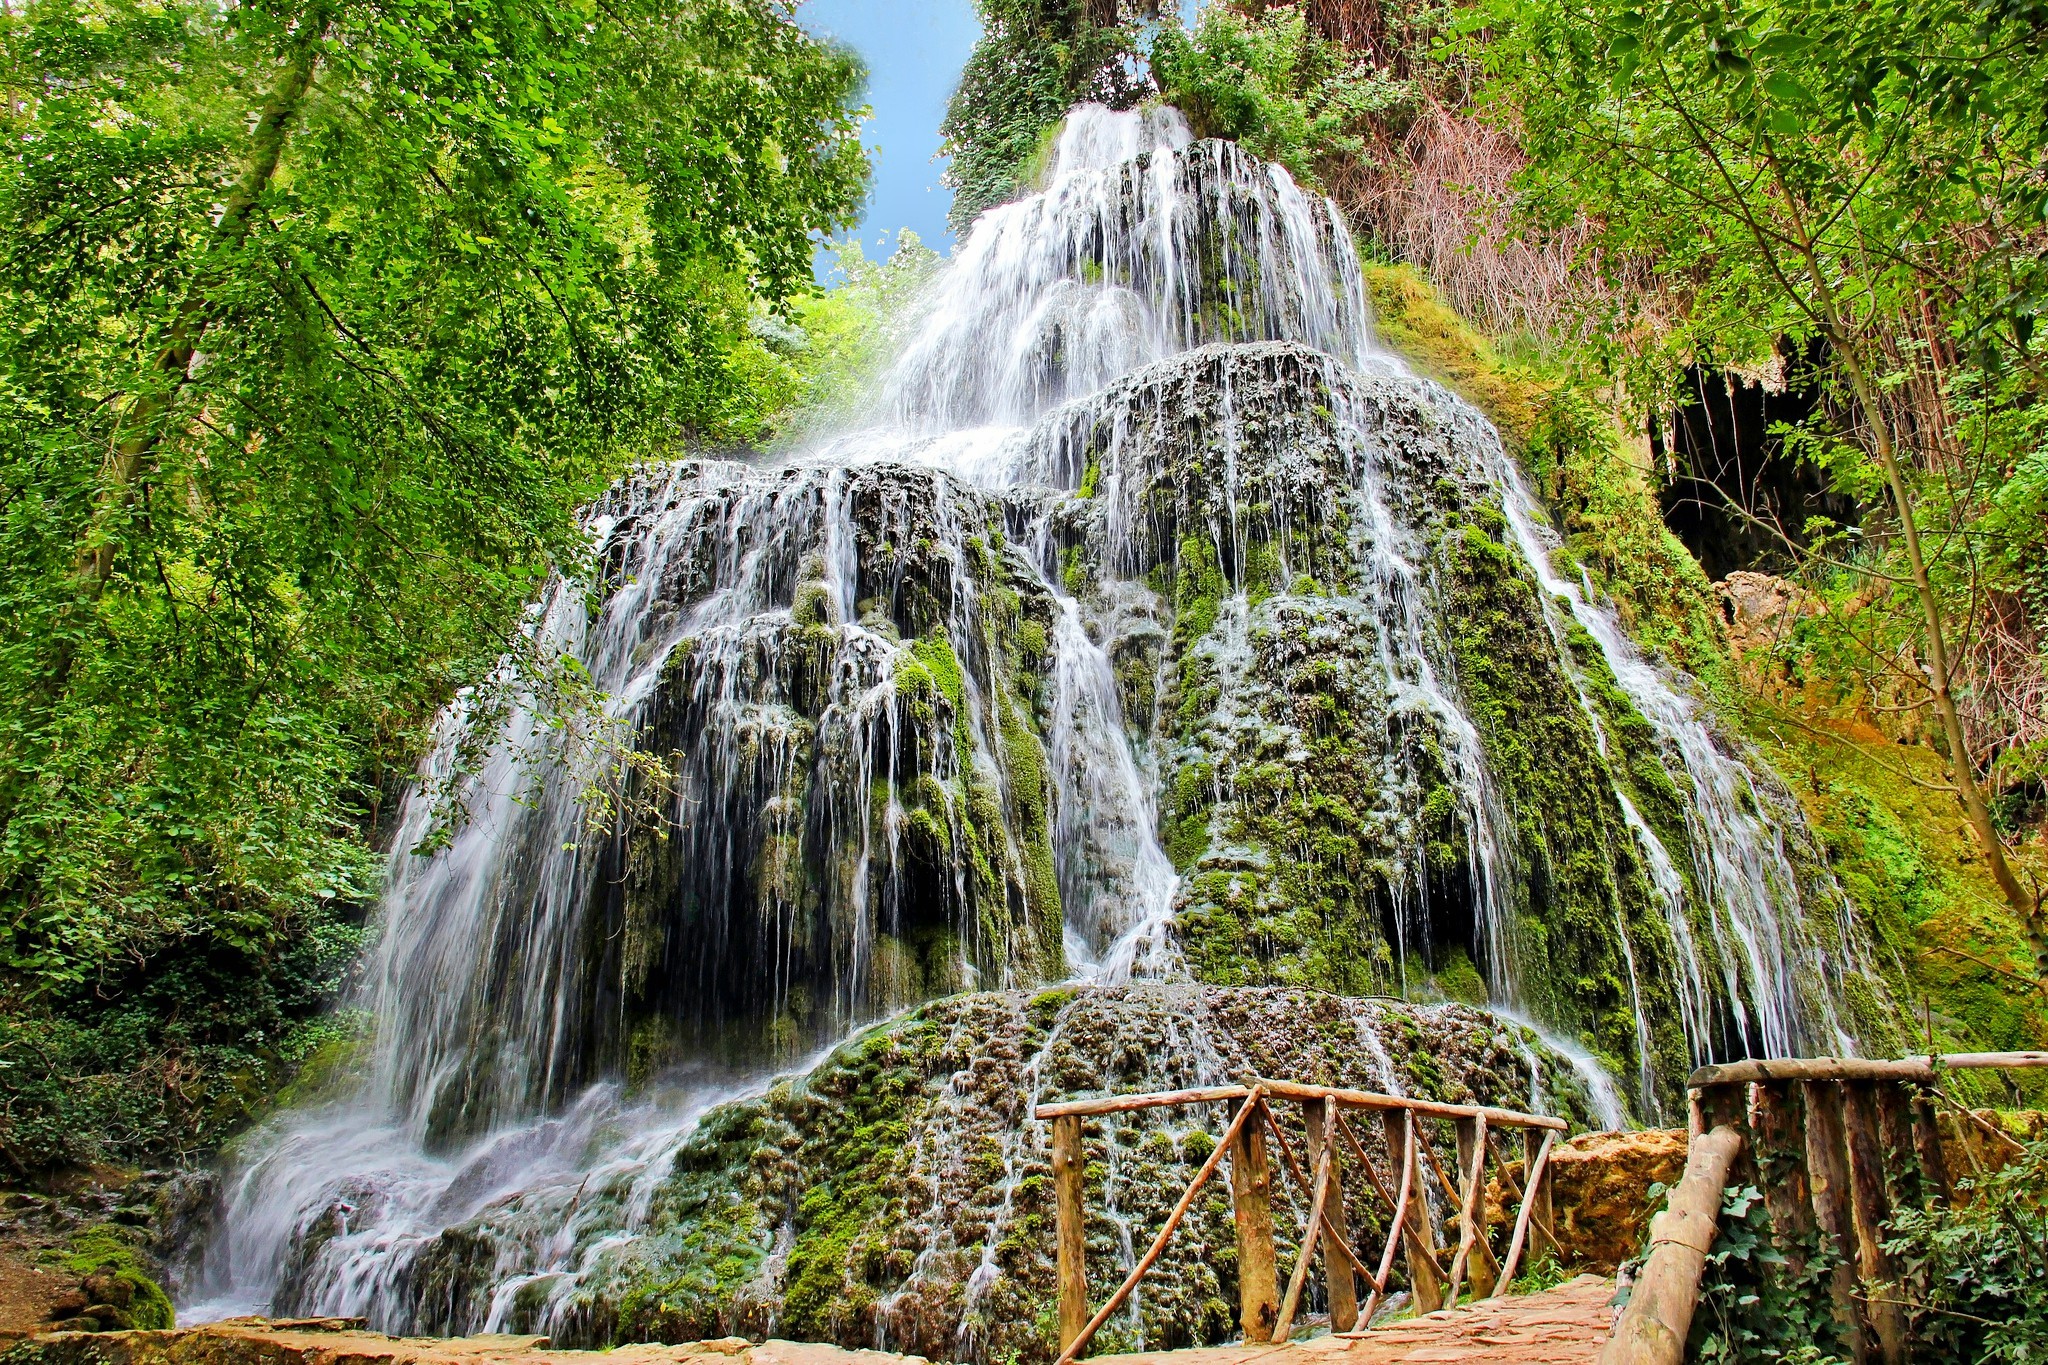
(1857,181)
(1035,60)
(318,320)
(1269,81)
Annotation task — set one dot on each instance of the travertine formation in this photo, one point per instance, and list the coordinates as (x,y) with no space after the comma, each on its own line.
(1162,656)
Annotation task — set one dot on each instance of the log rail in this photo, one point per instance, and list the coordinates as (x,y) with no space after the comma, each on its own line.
(1265,1313)
(1835,1145)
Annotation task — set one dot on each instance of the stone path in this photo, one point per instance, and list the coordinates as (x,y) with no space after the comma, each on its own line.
(1562,1326)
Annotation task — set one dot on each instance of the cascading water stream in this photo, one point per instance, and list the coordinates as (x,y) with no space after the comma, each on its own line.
(1744,877)
(926,697)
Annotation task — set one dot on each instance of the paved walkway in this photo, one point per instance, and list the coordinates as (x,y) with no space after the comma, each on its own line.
(1563,1326)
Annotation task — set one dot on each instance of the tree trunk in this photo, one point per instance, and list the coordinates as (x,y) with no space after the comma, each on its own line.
(1938,667)
(1826,310)
(140,427)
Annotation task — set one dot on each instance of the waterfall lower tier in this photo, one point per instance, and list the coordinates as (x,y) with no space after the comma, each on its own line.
(893,1195)
(1160,628)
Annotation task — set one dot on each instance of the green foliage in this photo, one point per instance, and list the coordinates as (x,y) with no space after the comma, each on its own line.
(1894,841)
(1578,460)
(822,364)
(1755,1303)
(1271,83)
(318,323)
(165,1058)
(1983,1263)
(1540,1273)
(1035,60)
(1856,181)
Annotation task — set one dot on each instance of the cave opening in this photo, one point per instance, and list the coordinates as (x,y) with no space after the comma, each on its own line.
(1734,494)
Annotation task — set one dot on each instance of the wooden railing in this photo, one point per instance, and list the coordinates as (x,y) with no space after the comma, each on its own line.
(1835,1145)
(1265,1314)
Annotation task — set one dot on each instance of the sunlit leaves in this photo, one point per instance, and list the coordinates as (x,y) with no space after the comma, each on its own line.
(508,248)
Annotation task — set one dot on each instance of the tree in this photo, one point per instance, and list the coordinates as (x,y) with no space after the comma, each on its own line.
(1035,60)
(1864,176)
(320,320)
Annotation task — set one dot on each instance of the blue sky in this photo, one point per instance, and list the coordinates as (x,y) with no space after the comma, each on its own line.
(914,51)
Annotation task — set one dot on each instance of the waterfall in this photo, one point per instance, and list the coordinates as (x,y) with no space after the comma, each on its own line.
(1112,645)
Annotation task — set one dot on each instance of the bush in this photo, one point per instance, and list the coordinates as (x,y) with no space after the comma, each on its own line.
(1036,59)
(163,1061)
(1271,84)
(1754,1306)
(1976,1275)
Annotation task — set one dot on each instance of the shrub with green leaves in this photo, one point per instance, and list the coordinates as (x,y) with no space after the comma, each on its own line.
(1977,1272)
(1035,60)
(1756,1302)
(1270,83)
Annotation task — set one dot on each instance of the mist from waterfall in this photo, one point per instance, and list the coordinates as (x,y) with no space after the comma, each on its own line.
(853,822)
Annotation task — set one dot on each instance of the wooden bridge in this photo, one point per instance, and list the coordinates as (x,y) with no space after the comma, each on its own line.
(1835,1145)
(1264,1313)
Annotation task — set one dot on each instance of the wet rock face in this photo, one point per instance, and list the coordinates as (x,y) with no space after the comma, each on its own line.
(1265,536)
(859,814)
(841,681)
(899,1194)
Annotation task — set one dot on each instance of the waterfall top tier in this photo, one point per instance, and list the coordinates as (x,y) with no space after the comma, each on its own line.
(1143,243)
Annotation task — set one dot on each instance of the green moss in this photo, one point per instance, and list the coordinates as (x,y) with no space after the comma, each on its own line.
(1030,800)
(813,605)
(333,1060)
(1953,953)
(110,1249)
(1593,475)
(935,652)
(1457,979)
(1585,870)
(1198,590)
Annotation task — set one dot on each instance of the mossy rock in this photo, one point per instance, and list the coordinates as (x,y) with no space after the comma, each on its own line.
(121,1293)
(900,1191)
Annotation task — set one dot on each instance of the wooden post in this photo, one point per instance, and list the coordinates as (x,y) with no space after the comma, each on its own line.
(1251,1200)
(1473,1253)
(1781,1164)
(1418,1239)
(1653,1327)
(1728,1103)
(1542,1213)
(1905,1185)
(1069,1164)
(1385,1276)
(1927,1146)
(1520,1239)
(1145,1263)
(1872,1210)
(1321,1118)
(1827,1172)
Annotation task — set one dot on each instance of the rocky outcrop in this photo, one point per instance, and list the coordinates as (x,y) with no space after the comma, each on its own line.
(898,1193)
